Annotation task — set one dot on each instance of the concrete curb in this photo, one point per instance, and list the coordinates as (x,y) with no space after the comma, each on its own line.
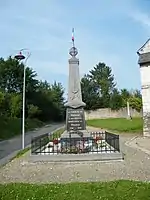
(129,141)
(76,157)
(8,158)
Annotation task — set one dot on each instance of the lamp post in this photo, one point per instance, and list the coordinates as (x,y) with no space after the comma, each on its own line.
(21,57)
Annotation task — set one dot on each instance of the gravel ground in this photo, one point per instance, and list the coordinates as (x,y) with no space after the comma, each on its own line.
(136,166)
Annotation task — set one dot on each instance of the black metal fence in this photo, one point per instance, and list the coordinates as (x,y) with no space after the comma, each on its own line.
(112,140)
(99,142)
(38,143)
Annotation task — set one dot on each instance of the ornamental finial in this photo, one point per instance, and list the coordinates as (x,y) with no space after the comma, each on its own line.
(73,51)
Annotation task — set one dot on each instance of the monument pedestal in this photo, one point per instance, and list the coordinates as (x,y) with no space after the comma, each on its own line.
(75,125)
(75,135)
(81,135)
(75,119)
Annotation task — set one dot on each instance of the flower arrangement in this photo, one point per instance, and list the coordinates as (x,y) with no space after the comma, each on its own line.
(55,141)
(97,138)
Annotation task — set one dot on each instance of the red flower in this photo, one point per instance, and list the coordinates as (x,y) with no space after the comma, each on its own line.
(55,141)
(98,138)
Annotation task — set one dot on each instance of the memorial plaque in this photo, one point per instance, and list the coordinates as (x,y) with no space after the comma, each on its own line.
(75,119)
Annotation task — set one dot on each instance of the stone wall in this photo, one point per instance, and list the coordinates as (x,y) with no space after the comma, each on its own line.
(108,113)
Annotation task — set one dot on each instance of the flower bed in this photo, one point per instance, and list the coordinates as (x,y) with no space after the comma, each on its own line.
(70,146)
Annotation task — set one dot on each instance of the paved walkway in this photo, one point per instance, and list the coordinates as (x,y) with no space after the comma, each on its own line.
(141,143)
(136,166)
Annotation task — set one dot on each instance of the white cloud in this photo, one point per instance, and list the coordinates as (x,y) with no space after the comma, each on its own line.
(142,18)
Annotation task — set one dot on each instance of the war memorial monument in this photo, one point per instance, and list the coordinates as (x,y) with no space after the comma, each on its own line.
(76,139)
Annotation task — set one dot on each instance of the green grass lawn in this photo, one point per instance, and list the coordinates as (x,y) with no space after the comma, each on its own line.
(117,190)
(118,124)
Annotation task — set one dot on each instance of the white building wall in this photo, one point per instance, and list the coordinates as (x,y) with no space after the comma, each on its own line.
(144,57)
(145,75)
(145,82)
(145,90)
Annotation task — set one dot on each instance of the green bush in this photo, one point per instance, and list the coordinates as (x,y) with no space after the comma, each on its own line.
(10,127)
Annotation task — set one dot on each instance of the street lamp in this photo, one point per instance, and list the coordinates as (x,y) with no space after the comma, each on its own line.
(21,57)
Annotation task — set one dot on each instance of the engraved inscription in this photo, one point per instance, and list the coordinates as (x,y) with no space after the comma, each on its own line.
(75,119)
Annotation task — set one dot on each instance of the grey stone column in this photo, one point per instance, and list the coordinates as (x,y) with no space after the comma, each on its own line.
(144,62)
(75,116)
(74,86)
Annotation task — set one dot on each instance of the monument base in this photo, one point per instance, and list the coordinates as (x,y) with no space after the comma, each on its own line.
(75,142)
(146,124)
(114,156)
(76,134)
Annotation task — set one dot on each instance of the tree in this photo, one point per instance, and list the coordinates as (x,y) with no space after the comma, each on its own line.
(2,99)
(43,100)
(89,93)
(15,105)
(58,100)
(137,93)
(104,80)
(97,86)
(11,76)
(115,100)
(33,111)
(125,94)
(135,103)
(134,98)
(49,99)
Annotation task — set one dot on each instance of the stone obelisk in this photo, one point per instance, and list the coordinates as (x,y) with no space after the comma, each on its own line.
(144,62)
(75,117)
